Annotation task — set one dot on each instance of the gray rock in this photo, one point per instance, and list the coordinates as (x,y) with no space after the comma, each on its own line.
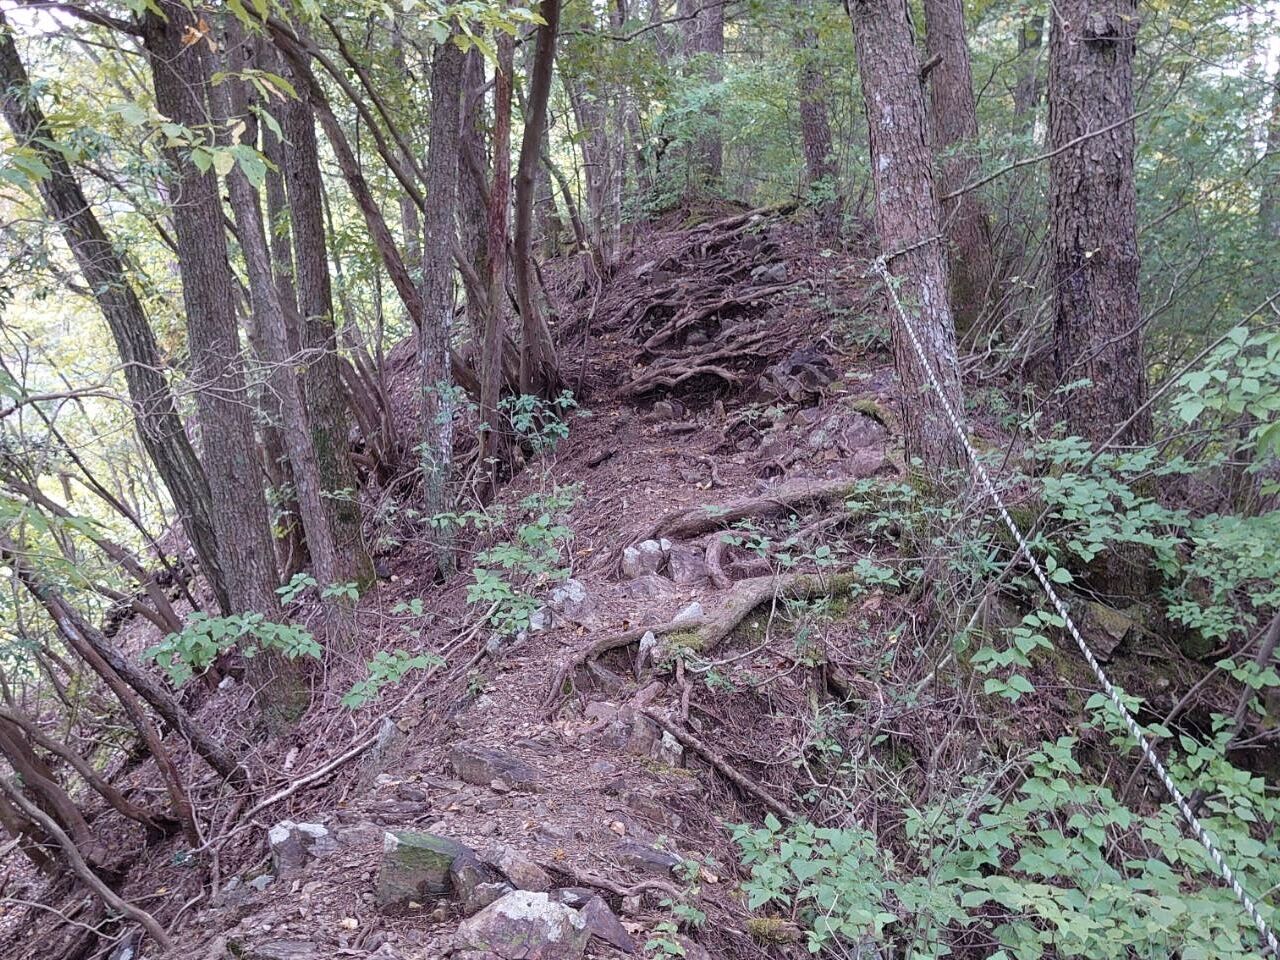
(691,950)
(641,560)
(603,924)
(283,950)
(523,873)
(481,766)
(641,856)
(475,883)
(770,273)
(668,409)
(649,587)
(261,883)
(687,565)
(294,845)
(576,897)
(692,612)
(570,603)
(415,868)
(525,925)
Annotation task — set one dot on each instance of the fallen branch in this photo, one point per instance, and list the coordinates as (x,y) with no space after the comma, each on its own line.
(81,869)
(726,769)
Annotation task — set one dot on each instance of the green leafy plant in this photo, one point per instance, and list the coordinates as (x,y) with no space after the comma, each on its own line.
(388,667)
(203,638)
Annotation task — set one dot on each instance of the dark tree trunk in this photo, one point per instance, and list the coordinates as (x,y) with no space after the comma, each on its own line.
(499,197)
(815,129)
(907,221)
(955,130)
(1093,222)
(1269,205)
(1027,87)
(704,37)
(270,315)
(473,205)
(155,411)
(181,73)
(439,238)
(538,373)
(321,378)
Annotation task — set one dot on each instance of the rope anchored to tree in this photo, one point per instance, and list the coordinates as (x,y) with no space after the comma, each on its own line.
(1148,750)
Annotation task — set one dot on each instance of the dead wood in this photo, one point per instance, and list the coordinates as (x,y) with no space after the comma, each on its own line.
(722,766)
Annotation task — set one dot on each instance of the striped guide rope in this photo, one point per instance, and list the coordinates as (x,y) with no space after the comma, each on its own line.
(1148,751)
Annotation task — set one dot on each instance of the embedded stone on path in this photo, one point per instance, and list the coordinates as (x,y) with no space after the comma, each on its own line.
(570,604)
(643,857)
(475,883)
(687,565)
(484,766)
(602,923)
(293,845)
(522,872)
(525,925)
(641,560)
(416,867)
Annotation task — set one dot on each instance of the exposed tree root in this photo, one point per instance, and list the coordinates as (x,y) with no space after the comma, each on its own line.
(722,766)
(700,633)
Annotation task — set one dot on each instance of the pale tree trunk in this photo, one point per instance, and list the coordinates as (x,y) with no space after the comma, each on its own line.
(907,222)
(322,377)
(955,130)
(154,408)
(1093,220)
(815,128)
(439,233)
(1269,206)
(181,74)
(538,373)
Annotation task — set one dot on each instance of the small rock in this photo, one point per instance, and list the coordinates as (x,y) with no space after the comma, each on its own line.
(694,952)
(576,897)
(648,587)
(522,872)
(770,273)
(687,565)
(570,603)
(633,905)
(475,883)
(644,857)
(603,769)
(668,409)
(293,845)
(481,766)
(282,950)
(603,924)
(641,560)
(261,883)
(415,867)
(540,620)
(525,925)
(692,612)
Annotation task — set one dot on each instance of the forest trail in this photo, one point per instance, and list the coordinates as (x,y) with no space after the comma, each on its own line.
(553,748)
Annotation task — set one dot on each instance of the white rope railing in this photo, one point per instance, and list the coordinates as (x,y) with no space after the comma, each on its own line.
(1148,750)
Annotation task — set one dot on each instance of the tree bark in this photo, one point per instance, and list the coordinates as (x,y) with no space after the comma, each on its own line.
(1269,204)
(155,410)
(955,130)
(181,75)
(330,423)
(473,204)
(439,238)
(1093,221)
(499,197)
(538,373)
(907,221)
(815,129)
(1027,88)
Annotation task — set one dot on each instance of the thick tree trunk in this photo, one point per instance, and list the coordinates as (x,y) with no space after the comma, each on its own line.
(955,130)
(473,205)
(181,73)
(1093,222)
(155,410)
(538,373)
(907,221)
(326,399)
(439,238)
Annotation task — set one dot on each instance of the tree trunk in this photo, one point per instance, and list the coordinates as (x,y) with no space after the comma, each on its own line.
(326,399)
(439,232)
(538,373)
(1269,205)
(1093,222)
(181,73)
(499,197)
(1027,87)
(907,221)
(704,37)
(815,130)
(473,205)
(955,131)
(155,410)
(270,317)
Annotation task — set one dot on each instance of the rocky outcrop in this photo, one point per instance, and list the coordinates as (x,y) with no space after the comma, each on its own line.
(526,925)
